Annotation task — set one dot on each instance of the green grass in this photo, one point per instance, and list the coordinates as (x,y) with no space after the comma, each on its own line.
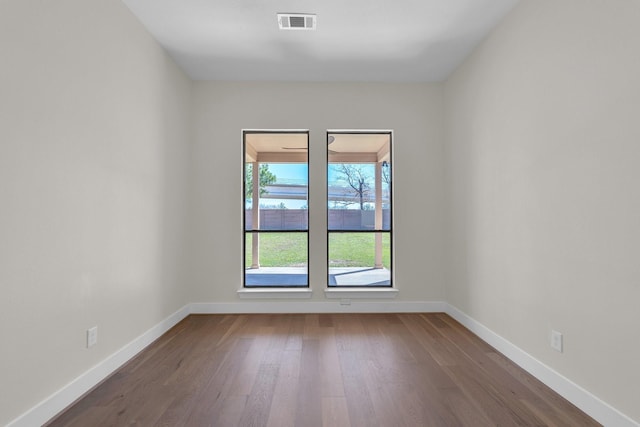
(345,249)
(279,250)
(357,250)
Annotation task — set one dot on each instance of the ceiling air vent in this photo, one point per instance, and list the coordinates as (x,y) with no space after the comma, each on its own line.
(296,21)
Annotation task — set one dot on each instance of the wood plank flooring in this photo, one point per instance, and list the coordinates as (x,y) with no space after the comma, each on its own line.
(309,370)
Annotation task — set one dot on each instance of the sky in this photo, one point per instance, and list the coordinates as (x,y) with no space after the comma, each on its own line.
(286,171)
(298,173)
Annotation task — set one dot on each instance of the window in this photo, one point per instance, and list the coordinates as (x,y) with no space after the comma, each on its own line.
(275,200)
(359,211)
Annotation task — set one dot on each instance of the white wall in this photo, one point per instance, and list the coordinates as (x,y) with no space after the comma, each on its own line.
(543,134)
(94,123)
(222,110)
(539,179)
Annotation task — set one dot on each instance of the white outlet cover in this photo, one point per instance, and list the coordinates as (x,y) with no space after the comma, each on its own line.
(92,336)
(556,341)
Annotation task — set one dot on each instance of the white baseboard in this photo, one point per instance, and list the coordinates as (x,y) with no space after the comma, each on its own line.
(587,402)
(54,404)
(57,402)
(600,411)
(355,306)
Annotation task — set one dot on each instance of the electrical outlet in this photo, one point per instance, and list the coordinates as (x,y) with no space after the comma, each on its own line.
(556,341)
(92,336)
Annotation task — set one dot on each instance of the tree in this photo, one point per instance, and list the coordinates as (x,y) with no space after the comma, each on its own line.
(357,178)
(386,172)
(266,178)
(386,178)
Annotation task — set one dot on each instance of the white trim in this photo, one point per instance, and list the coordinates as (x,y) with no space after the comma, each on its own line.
(274,293)
(276,130)
(583,399)
(319,307)
(58,401)
(360,131)
(355,293)
(599,410)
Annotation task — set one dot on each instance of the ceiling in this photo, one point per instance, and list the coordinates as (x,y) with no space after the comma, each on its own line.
(275,142)
(292,147)
(355,40)
(359,147)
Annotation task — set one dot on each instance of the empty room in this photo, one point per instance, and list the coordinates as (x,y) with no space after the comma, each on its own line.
(319,213)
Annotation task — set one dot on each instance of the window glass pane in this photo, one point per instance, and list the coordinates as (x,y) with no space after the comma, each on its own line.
(276,182)
(283,259)
(359,259)
(359,208)
(282,196)
(359,182)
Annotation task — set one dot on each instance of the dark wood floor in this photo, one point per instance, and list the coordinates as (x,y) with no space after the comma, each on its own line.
(321,370)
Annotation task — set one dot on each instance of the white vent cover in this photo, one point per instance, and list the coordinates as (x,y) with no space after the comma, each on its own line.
(296,21)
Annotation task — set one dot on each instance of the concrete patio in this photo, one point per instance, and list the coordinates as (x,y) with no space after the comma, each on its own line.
(297,276)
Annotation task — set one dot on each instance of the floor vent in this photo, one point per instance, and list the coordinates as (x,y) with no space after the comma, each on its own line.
(296,21)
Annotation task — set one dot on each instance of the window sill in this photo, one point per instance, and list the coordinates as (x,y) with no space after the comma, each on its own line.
(275,293)
(354,293)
